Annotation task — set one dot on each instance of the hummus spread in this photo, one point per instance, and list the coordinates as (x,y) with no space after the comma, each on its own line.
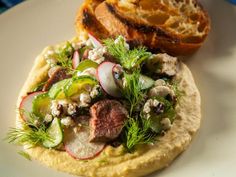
(115,162)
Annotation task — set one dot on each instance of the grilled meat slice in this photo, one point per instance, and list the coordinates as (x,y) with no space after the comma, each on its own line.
(107,120)
(55,76)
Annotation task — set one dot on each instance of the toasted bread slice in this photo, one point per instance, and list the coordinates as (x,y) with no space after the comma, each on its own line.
(87,22)
(177,27)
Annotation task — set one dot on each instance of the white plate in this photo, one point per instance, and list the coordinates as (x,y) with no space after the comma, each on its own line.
(26,29)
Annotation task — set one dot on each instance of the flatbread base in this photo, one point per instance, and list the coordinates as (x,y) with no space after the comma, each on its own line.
(114,162)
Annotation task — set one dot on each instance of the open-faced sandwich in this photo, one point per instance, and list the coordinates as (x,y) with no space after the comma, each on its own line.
(102,109)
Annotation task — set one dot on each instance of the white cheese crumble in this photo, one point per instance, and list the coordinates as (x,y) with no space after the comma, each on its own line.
(146,108)
(94,91)
(67,121)
(161,91)
(149,104)
(166,123)
(159,82)
(85,99)
(55,108)
(96,54)
(48,118)
(71,108)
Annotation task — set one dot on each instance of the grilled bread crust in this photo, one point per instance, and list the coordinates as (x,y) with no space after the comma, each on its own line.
(177,27)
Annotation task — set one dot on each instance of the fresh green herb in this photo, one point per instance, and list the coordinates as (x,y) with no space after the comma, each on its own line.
(129,59)
(137,131)
(103,161)
(28,133)
(132,90)
(32,131)
(31,117)
(169,108)
(38,87)
(178,93)
(25,155)
(64,56)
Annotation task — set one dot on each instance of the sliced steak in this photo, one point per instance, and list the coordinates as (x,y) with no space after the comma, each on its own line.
(107,120)
(56,75)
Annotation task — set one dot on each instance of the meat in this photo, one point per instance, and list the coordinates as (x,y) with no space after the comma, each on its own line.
(56,74)
(107,120)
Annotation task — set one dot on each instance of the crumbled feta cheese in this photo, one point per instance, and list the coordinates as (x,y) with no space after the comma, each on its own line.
(48,118)
(146,108)
(159,82)
(55,108)
(155,103)
(67,121)
(150,103)
(166,123)
(97,54)
(161,91)
(85,99)
(94,91)
(71,108)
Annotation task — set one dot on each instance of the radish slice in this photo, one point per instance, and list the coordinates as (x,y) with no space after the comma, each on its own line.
(75,60)
(78,146)
(106,79)
(96,43)
(26,105)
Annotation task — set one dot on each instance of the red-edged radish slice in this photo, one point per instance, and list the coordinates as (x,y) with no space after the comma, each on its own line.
(96,43)
(106,79)
(75,60)
(78,146)
(26,105)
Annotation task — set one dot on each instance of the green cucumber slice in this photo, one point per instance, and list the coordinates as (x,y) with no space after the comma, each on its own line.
(85,64)
(77,85)
(145,82)
(55,133)
(41,105)
(57,90)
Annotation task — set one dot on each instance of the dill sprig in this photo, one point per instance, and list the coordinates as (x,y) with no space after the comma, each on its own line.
(132,90)
(28,134)
(39,87)
(178,93)
(64,56)
(129,59)
(137,131)
(25,155)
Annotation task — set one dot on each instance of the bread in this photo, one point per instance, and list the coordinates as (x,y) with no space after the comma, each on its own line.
(87,22)
(177,27)
(113,162)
